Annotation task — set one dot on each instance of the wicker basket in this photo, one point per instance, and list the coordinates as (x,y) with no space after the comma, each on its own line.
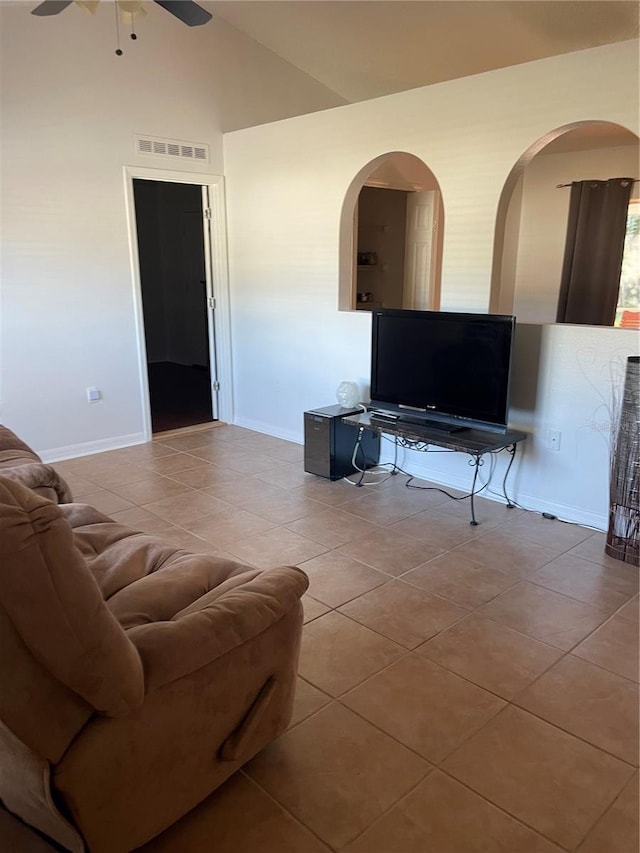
(623,536)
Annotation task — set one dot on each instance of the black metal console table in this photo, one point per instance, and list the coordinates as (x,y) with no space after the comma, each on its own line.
(474,442)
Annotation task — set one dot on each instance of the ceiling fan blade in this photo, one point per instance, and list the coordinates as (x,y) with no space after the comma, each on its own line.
(50,7)
(187,11)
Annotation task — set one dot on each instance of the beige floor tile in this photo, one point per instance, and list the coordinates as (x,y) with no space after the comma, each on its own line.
(94,462)
(283,507)
(152,488)
(186,443)
(489,514)
(556,766)
(631,610)
(308,700)
(270,445)
(438,527)
(424,706)
(206,476)
(593,549)
(329,492)
(605,587)
(390,552)
(386,506)
(384,479)
(458,579)
(119,475)
(491,655)
(69,467)
(79,486)
(276,547)
(553,782)
(183,539)
(498,550)
(434,493)
(337,653)
(187,507)
(286,451)
(544,615)
(313,608)
(232,433)
(237,817)
(442,816)
(312,772)
(614,646)
(335,578)
(251,463)
(148,450)
(617,830)
(287,476)
(224,528)
(219,452)
(238,492)
(141,519)
(404,613)
(173,464)
(332,527)
(589,702)
(557,535)
(106,501)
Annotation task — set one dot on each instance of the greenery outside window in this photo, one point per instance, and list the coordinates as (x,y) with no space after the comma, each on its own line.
(628,309)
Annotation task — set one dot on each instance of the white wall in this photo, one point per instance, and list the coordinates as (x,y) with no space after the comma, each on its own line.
(543,221)
(286,185)
(70,109)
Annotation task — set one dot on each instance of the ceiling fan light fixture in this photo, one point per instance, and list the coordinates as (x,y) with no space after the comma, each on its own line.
(89,5)
(187,11)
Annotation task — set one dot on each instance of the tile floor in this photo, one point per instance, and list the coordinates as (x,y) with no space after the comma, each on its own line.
(461,690)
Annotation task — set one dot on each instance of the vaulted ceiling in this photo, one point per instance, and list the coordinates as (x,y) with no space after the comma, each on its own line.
(368,48)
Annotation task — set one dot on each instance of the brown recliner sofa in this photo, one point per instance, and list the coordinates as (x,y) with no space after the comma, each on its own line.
(134,677)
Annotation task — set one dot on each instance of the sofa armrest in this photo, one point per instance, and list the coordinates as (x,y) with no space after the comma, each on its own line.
(214,625)
(39,478)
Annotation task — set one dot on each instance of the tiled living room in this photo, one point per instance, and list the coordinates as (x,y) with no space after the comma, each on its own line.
(461,689)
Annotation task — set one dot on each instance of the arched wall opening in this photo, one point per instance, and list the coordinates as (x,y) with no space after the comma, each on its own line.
(531,220)
(391,236)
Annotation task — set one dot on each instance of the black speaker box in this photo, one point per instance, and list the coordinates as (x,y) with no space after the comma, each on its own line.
(329,443)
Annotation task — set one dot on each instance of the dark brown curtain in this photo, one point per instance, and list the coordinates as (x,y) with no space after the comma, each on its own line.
(593,251)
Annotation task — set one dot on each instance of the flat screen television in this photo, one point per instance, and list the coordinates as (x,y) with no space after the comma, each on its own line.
(447,370)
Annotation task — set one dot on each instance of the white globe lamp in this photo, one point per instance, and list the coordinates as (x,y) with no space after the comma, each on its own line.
(348,394)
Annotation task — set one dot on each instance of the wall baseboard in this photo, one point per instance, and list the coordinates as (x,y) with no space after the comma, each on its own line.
(87,448)
(532,503)
(267,429)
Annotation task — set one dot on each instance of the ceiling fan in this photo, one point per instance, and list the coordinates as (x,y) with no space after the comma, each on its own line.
(185,10)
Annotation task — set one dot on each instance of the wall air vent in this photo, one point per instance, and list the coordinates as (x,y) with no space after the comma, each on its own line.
(171,148)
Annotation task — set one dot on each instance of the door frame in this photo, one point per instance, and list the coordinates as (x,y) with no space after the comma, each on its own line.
(217,273)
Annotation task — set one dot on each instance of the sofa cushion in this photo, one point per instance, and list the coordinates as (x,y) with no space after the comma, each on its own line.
(56,607)
(165,596)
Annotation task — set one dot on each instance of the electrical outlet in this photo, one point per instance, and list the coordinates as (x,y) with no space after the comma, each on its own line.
(553,439)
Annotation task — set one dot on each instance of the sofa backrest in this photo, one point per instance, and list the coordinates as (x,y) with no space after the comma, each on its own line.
(20,463)
(63,655)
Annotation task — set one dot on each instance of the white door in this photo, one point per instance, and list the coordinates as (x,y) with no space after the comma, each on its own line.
(420,260)
(207,222)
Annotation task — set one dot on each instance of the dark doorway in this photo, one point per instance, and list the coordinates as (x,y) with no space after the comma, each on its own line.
(169,224)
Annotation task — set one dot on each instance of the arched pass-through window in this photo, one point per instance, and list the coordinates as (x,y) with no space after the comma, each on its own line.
(391,230)
(532,220)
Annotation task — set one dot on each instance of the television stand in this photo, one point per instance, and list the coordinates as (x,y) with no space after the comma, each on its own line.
(475,442)
(439,426)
